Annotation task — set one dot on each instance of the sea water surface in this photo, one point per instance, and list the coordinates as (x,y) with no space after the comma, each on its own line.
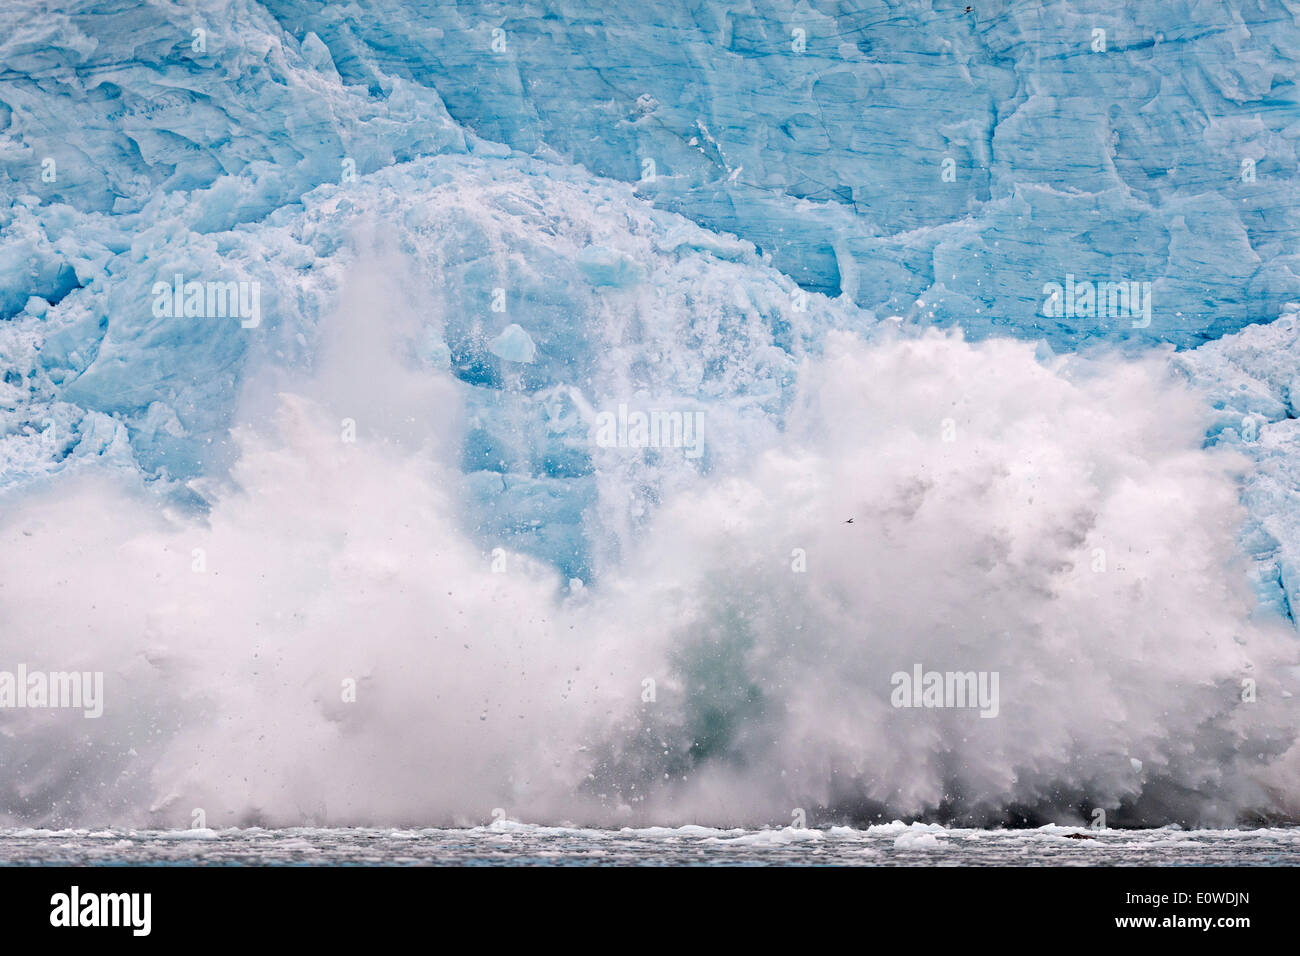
(517,844)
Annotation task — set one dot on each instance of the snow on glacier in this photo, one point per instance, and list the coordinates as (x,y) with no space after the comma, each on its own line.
(475,228)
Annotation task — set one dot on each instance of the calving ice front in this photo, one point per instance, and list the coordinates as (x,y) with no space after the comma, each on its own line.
(214,299)
(946,689)
(74,908)
(64,689)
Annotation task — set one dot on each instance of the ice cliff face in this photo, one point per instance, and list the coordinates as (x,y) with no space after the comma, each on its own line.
(1146,142)
(918,157)
(556,213)
(942,165)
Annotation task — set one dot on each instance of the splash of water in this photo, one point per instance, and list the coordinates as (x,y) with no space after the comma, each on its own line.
(331,644)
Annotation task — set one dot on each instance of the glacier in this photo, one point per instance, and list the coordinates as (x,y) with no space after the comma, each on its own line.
(825,227)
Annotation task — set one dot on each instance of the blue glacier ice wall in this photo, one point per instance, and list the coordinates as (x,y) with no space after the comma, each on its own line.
(819,131)
(564,208)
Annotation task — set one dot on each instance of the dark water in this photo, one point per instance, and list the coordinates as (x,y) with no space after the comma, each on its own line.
(516,844)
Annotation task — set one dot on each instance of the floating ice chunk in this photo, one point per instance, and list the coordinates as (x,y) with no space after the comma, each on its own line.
(912,840)
(898,826)
(197,833)
(782,837)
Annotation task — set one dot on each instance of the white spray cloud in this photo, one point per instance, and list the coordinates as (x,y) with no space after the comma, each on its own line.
(1059,524)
